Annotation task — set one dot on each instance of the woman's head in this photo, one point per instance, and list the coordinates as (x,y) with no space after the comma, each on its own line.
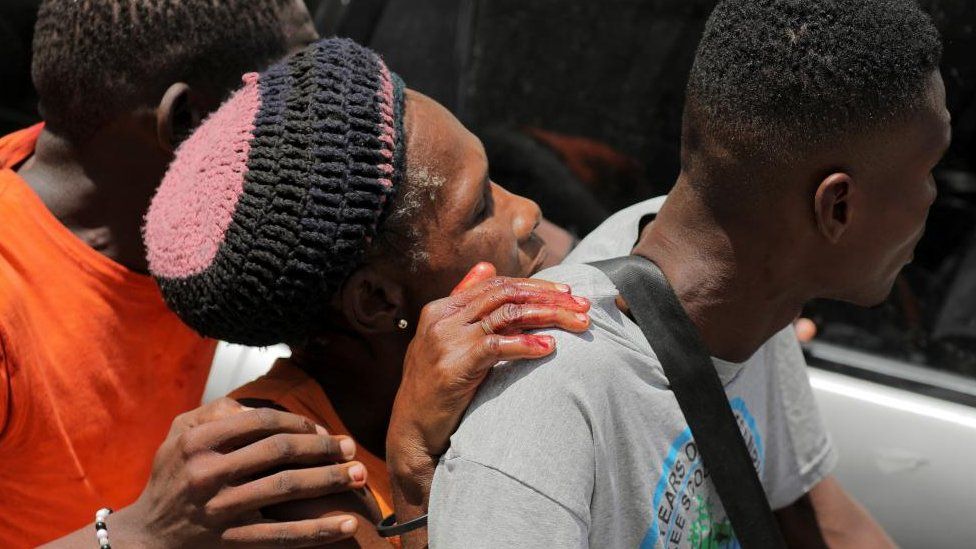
(449,215)
(323,185)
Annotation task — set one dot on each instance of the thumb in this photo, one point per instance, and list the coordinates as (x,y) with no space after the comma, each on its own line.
(479,273)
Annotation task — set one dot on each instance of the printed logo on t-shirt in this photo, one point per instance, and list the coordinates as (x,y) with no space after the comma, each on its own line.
(687,510)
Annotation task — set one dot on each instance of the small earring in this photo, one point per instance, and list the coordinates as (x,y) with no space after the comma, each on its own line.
(402,324)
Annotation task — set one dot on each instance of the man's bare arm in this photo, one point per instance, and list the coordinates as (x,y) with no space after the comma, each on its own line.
(827,516)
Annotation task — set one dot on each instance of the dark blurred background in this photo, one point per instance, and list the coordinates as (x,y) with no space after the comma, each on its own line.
(579,107)
(17,98)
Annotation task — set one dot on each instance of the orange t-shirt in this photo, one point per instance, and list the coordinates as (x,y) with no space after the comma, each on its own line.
(93,369)
(295,391)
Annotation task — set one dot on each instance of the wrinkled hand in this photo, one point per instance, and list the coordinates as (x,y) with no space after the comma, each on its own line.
(211,477)
(459,339)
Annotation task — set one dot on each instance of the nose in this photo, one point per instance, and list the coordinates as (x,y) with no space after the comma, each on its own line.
(526,216)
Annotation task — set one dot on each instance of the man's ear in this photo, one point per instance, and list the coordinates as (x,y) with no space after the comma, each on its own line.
(832,205)
(176,116)
(371,302)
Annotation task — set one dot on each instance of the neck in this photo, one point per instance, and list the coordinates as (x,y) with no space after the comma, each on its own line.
(100,190)
(736,282)
(361,379)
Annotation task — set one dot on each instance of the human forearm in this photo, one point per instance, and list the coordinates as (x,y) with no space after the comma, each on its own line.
(124,531)
(828,516)
(411,471)
(843,521)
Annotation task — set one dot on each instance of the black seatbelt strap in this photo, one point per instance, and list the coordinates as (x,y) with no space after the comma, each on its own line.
(698,389)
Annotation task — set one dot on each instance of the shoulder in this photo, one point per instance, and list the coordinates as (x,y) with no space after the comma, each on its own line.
(531,423)
(582,368)
(281,380)
(534,420)
(288,387)
(585,280)
(615,236)
(581,362)
(539,427)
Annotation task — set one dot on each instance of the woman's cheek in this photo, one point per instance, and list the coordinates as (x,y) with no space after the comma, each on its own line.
(491,246)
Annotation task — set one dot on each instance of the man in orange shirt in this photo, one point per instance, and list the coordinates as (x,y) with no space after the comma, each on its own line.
(93,367)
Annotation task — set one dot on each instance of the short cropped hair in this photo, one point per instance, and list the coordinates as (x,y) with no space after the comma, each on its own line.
(772,77)
(94,59)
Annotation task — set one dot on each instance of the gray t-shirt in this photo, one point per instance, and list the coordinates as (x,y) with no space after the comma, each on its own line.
(589,448)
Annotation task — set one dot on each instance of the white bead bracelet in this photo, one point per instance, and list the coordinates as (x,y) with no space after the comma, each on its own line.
(101,528)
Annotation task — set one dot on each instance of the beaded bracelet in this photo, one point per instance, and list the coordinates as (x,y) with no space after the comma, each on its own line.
(101,528)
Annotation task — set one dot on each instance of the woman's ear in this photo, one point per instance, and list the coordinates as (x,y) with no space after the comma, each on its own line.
(832,206)
(176,116)
(371,302)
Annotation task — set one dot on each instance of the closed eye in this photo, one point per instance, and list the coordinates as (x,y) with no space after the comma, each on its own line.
(485,204)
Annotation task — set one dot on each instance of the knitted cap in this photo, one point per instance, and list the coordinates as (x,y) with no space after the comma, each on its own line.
(272,202)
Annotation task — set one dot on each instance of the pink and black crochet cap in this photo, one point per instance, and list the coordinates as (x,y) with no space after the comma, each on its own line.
(273,201)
